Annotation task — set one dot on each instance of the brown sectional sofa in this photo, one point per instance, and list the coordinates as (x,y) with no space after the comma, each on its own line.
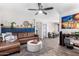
(22,38)
(8,48)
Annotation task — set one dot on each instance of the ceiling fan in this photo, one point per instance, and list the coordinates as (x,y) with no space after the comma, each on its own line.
(41,9)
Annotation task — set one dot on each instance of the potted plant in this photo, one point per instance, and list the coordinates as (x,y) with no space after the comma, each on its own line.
(12,24)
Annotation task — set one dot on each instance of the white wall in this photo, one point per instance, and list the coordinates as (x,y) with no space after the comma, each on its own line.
(0,29)
(19,13)
(49,21)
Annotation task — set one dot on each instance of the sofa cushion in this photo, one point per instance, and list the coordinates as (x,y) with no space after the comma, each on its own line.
(22,35)
(5,46)
(30,34)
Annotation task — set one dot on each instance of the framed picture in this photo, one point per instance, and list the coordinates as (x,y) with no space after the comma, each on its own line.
(70,21)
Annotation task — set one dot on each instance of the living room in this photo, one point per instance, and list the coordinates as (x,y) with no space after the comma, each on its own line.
(38,29)
(22,23)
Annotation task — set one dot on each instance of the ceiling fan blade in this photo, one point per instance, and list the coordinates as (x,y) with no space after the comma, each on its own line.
(33,9)
(36,13)
(45,13)
(49,8)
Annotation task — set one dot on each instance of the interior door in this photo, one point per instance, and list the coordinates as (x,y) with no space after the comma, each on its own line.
(44,30)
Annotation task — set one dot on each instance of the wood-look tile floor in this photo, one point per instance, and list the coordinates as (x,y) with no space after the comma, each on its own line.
(51,47)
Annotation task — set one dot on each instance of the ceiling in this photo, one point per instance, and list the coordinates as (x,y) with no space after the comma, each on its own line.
(19,10)
(60,7)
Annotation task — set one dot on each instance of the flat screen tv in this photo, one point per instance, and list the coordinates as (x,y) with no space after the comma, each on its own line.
(70,21)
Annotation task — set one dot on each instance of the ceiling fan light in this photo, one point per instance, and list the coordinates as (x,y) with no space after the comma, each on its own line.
(40,12)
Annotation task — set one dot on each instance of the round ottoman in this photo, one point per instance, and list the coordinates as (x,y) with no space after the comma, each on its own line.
(34,47)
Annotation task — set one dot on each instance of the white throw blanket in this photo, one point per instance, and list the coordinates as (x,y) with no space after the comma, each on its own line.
(10,38)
